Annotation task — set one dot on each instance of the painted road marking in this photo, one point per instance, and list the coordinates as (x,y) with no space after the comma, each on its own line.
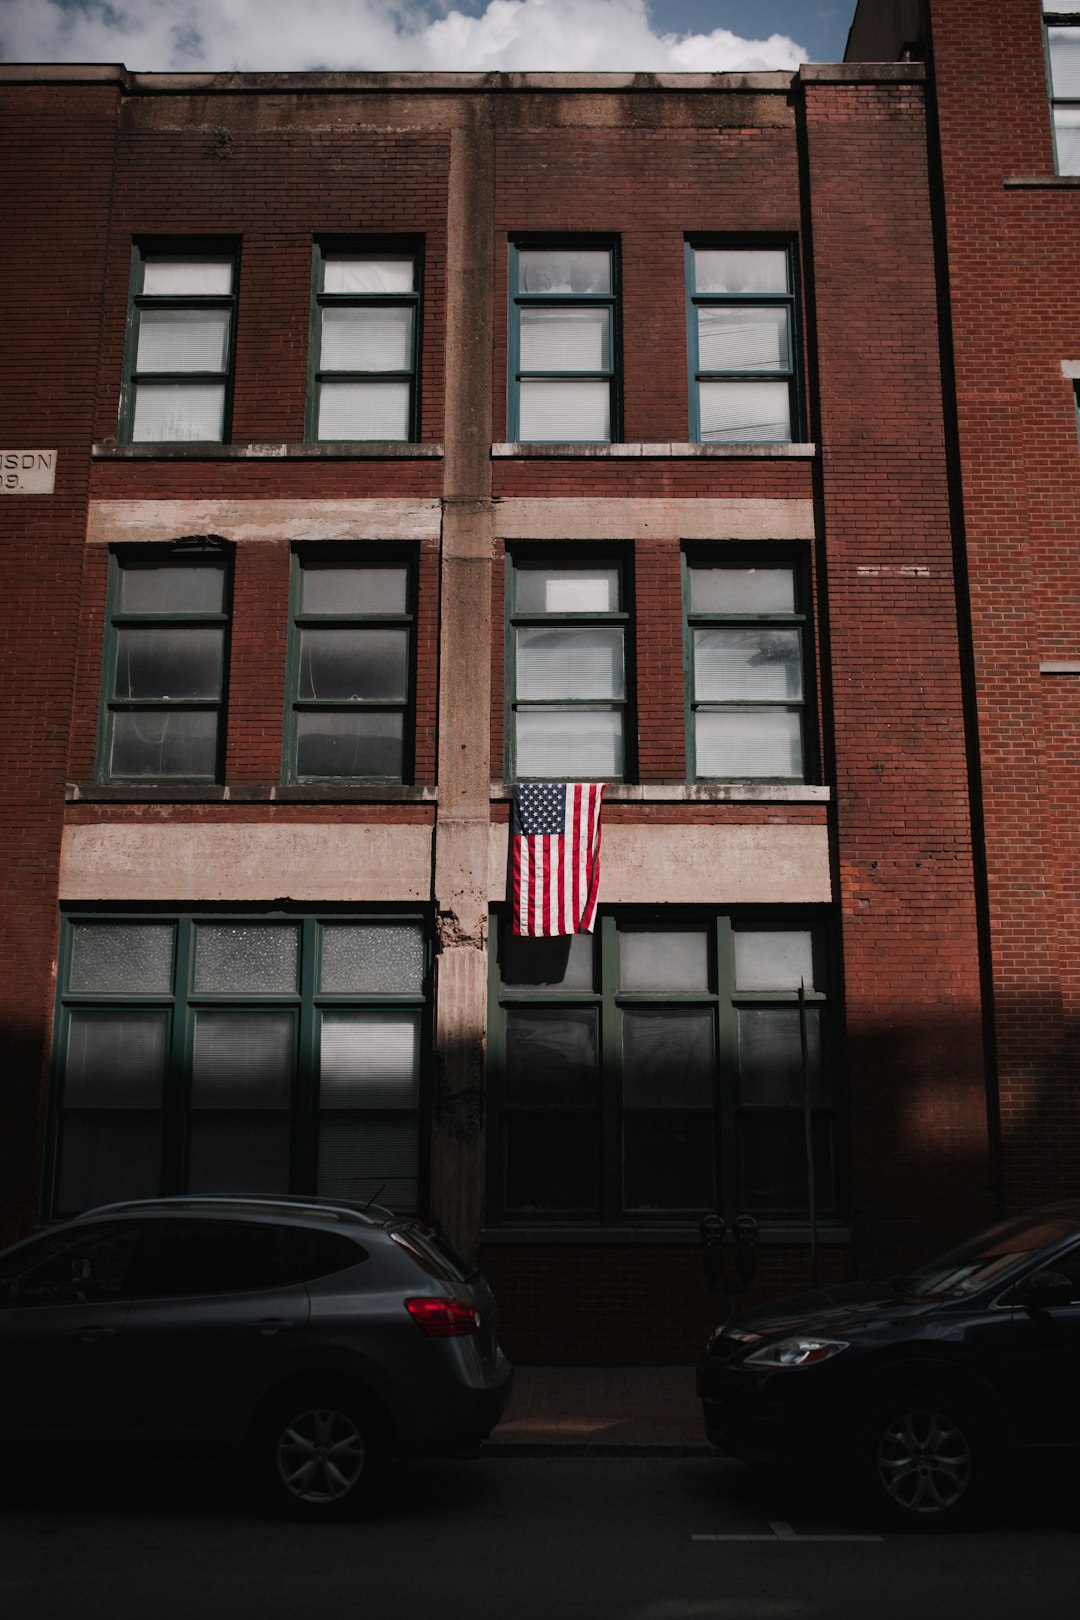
(780,1530)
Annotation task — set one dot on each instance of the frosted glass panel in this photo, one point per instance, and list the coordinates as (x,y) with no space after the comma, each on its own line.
(370,1060)
(740,270)
(742,590)
(585,663)
(164,663)
(565,339)
(181,278)
(771,1073)
(551,411)
(668,1057)
(564,270)
(756,664)
(754,743)
(743,339)
(353,663)
(737,411)
(1065,56)
(360,742)
(241,1157)
(551,1055)
(567,745)
(124,957)
(567,590)
(564,962)
(152,744)
(369,1159)
(353,591)
(242,1060)
(177,587)
(649,960)
(183,340)
(773,959)
(180,411)
(367,339)
(361,958)
(246,958)
(360,273)
(1067,138)
(115,1060)
(367,410)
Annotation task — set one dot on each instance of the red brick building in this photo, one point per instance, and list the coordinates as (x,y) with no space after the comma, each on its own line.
(380,440)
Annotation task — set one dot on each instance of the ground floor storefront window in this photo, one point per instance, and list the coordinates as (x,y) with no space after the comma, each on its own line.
(214,1053)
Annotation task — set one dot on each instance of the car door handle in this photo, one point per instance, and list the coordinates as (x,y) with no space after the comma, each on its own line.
(91,1335)
(272,1325)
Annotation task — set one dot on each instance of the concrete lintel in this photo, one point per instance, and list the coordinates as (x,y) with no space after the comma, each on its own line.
(1070,368)
(111,522)
(572,518)
(1059,667)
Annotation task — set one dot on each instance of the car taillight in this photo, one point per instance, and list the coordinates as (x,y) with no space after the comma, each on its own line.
(444,1318)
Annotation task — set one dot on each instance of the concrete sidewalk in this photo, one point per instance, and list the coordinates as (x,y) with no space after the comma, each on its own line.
(651,1410)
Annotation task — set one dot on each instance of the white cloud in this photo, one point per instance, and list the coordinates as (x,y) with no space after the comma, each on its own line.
(282,35)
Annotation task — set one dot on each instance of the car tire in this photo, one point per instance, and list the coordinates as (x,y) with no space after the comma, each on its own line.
(923,1459)
(320,1454)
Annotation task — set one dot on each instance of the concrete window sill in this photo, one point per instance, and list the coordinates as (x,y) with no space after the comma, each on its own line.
(699,793)
(389,450)
(641,451)
(247,793)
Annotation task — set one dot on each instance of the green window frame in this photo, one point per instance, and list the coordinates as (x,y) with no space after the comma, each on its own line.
(180,345)
(742,341)
(223,1051)
(1062,34)
(568,664)
(165,665)
(350,708)
(655,1071)
(563,383)
(747,665)
(365,341)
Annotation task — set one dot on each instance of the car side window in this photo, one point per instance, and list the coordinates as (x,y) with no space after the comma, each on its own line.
(324,1253)
(215,1257)
(1068,1265)
(84,1268)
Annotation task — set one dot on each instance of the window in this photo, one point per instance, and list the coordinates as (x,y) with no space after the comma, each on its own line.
(350,670)
(251,1054)
(163,672)
(1063,58)
(567,705)
(364,343)
(662,1068)
(563,342)
(180,345)
(741,314)
(745,626)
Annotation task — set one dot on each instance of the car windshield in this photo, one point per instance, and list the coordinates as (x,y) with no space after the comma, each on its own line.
(977,1263)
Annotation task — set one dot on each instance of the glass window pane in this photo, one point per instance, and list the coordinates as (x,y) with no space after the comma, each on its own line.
(367,338)
(753,664)
(179,411)
(238,1157)
(115,1060)
(668,1057)
(552,1165)
(364,411)
(551,1055)
(353,663)
(124,957)
(146,744)
(564,411)
(376,1159)
(563,963)
(212,1257)
(156,662)
(734,412)
(355,743)
(353,590)
(364,958)
(182,278)
(569,663)
(246,957)
(566,590)
(564,270)
(365,273)
(742,590)
(743,339)
(370,1060)
(771,1071)
(1067,139)
(755,743)
(740,270)
(183,340)
(565,340)
(773,1167)
(242,1060)
(773,959)
(172,587)
(1065,57)
(107,1157)
(569,745)
(668,1163)
(670,960)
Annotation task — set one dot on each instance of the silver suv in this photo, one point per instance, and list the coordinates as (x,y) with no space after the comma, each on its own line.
(305,1342)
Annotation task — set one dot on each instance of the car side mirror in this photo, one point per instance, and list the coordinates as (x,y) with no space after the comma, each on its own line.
(1046,1289)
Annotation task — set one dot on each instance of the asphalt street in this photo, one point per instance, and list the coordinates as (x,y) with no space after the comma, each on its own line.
(520,1538)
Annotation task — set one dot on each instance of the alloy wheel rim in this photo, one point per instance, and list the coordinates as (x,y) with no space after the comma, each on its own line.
(924,1462)
(320,1455)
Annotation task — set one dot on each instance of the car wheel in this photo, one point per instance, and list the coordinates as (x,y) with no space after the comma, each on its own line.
(924,1460)
(320,1455)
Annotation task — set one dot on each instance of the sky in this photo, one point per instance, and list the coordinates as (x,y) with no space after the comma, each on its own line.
(190,36)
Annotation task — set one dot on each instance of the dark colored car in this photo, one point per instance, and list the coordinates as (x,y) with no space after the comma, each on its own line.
(920,1391)
(303,1343)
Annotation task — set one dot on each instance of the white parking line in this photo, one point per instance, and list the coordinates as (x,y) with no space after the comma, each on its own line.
(780,1530)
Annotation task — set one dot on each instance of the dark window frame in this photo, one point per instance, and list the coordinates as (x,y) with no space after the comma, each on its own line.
(372,247)
(519,301)
(1058,17)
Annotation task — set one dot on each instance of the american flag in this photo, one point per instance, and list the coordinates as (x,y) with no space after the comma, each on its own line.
(556,856)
